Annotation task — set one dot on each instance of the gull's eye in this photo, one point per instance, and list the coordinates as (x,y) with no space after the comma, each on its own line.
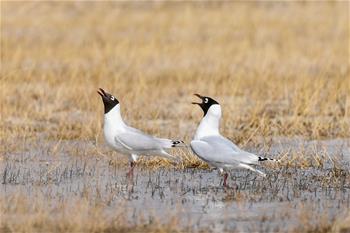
(206,100)
(112,97)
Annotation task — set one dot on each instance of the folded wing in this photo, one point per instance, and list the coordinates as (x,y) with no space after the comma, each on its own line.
(138,141)
(221,150)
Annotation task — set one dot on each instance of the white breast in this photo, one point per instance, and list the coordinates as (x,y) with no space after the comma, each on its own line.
(113,124)
(210,123)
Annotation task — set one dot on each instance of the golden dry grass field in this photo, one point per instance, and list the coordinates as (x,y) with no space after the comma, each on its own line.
(279,69)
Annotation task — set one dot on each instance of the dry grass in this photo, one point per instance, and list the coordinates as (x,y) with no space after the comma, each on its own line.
(42,215)
(279,69)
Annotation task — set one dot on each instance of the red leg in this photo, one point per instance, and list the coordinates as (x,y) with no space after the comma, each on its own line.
(225,179)
(131,170)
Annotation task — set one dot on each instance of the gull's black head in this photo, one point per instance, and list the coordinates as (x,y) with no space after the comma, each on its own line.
(206,103)
(109,100)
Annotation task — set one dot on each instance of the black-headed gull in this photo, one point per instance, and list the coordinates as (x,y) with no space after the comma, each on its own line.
(209,145)
(128,140)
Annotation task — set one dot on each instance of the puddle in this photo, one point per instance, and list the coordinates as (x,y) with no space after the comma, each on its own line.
(194,197)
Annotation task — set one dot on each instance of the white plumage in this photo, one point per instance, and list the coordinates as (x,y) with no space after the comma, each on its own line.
(128,140)
(209,145)
(131,141)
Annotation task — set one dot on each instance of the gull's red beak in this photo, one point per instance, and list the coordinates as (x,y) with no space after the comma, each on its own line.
(101,92)
(199,96)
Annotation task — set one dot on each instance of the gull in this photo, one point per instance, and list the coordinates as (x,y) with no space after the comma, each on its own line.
(209,145)
(128,140)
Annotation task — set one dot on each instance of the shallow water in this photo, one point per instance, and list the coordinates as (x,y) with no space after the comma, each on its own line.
(194,197)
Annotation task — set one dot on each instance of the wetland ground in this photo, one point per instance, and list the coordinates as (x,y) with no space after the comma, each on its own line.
(279,69)
(85,192)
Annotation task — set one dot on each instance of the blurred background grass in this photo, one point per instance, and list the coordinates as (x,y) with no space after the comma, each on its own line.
(278,68)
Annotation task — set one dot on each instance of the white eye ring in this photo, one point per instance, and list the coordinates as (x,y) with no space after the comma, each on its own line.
(206,100)
(112,97)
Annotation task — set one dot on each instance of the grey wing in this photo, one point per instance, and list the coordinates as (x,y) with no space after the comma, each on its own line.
(203,150)
(138,141)
(211,153)
(221,139)
(227,152)
(164,143)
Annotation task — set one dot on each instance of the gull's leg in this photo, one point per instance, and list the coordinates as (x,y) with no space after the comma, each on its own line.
(131,169)
(221,170)
(225,179)
(133,159)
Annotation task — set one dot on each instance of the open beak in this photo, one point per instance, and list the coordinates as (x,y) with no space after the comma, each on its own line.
(199,96)
(101,92)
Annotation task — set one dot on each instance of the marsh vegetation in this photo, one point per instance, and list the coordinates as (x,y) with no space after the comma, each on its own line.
(280,71)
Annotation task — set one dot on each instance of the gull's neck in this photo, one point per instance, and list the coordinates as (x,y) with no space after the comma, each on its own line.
(210,123)
(113,119)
